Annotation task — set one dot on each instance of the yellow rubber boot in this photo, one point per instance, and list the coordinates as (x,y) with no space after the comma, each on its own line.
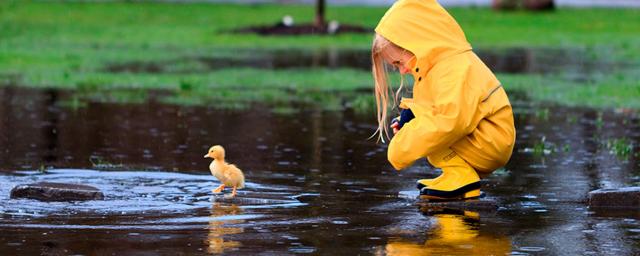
(458,180)
(427,182)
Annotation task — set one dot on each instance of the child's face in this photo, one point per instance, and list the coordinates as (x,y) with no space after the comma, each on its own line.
(398,58)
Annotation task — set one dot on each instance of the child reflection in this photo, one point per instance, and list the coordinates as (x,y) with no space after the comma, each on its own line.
(218,229)
(455,233)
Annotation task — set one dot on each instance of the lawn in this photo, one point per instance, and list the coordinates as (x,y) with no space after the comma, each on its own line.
(71,46)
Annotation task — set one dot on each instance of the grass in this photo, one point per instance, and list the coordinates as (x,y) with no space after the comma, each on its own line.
(621,147)
(157,25)
(607,92)
(68,45)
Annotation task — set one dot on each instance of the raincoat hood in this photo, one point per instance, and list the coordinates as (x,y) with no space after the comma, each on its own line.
(424,28)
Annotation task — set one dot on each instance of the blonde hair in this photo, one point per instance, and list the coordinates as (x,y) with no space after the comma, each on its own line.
(382,90)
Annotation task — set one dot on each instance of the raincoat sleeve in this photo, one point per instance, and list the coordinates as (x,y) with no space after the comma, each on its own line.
(438,125)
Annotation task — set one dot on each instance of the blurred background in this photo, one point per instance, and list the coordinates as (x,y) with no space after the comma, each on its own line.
(569,52)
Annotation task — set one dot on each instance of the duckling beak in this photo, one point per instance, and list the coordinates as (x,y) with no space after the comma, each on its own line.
(207,155)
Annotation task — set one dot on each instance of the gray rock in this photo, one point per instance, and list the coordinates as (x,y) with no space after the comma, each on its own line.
(624,198)
(49,191)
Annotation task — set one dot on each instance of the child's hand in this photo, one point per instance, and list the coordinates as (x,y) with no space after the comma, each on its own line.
(405,116)
(394,125)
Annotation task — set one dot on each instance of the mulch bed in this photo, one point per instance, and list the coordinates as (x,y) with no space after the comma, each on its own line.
(302,29)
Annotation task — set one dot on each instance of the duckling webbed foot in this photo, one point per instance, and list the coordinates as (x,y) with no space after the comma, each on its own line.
(219,189)
(233,194)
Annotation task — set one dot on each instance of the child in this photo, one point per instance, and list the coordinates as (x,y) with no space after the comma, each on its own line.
(459,118)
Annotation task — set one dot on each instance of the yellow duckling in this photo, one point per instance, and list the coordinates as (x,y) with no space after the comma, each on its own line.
(227,174)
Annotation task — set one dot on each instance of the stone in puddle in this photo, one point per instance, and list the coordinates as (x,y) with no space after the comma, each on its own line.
(624,198)
(50,191)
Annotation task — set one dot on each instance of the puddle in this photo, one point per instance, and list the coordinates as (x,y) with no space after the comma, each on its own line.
(512,60)
(260,59)
(152,192)
(315,184)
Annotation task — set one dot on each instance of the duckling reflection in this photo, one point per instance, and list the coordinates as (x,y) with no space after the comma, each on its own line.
(455,233)
(218,229)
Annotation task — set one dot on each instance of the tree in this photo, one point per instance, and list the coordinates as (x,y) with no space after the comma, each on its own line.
(320,21)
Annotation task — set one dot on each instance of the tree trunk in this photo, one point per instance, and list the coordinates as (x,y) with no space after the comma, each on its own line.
(505,4)
(320,22)
(538,5)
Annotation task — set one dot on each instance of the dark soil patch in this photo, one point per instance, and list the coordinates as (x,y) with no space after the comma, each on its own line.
(303,29)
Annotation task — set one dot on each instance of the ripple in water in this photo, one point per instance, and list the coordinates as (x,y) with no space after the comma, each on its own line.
(136,200)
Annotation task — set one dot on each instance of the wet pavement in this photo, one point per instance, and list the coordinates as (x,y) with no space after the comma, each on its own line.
(315,184)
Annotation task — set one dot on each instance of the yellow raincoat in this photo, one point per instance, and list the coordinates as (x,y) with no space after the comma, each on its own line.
(457,101)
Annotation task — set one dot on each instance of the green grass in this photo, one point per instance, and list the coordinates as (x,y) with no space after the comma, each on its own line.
(68,45)
(621,147)
(614,91)
(158,25)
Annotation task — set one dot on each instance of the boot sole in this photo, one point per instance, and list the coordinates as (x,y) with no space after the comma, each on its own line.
(469,191)
(469,196)
(420,185)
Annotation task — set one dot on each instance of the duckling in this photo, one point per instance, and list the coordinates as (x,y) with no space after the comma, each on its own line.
(227,174)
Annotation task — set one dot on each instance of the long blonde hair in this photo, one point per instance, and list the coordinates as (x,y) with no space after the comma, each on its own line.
(382,90)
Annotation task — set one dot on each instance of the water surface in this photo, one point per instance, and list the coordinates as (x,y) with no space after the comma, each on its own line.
(315,184)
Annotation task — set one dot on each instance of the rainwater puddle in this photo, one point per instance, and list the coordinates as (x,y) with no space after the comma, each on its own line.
(260,59)
(512,60)
(336,193)
(133,193)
